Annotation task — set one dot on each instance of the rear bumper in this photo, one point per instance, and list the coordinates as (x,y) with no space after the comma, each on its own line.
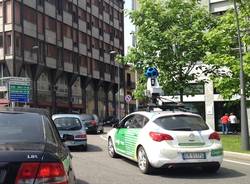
(164,157)
(200,164)
(76,143)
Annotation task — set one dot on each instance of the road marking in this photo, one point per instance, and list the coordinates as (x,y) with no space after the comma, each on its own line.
(104,137)
(236,162)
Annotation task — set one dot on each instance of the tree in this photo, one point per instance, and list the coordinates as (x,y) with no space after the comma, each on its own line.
(223,52)
(170,37)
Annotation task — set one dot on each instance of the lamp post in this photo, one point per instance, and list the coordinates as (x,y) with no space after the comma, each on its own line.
(113,52)
(243,114)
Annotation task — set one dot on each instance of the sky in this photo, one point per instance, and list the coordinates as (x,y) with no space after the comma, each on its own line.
(128,27)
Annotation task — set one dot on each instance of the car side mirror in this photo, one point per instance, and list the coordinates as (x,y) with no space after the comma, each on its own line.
(67,137)
(115,125)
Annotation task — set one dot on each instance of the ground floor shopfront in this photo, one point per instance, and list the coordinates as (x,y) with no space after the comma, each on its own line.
(59,91)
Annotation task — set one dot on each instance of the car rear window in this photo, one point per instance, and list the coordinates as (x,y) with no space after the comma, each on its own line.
(181,123)
(21,127)
(87,117)
(68,123)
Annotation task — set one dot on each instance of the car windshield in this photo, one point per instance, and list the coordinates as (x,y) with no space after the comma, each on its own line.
(68,123)
(21,127)
(181,123)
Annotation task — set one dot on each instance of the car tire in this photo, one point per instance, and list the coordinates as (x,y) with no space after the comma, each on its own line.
(143,162)
(111,149)
(211,168)
(85,148)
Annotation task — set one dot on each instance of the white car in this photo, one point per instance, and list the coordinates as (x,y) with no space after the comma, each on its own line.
(166,139)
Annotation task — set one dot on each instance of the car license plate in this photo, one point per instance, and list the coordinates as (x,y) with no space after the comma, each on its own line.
(194,155)
(2,176)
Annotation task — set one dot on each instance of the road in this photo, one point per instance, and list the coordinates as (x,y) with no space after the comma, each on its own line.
(96,167)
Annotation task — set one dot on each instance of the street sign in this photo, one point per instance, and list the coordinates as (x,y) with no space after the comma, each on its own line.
(19,90)
(128,98)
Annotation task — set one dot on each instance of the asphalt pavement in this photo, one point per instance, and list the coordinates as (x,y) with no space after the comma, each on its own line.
(96,167)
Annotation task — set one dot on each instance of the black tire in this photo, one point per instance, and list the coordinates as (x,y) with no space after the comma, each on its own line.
(211,168)
(83,148)
(111,149)
(143,163)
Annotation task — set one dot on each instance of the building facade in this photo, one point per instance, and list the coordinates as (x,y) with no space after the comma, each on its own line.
(64,47)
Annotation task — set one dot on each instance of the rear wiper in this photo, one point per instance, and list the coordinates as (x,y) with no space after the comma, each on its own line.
(182,128)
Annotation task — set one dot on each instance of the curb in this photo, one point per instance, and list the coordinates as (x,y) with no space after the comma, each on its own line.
(236,155)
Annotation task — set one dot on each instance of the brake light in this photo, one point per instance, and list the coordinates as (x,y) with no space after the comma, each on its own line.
(81,136)
(160,137)
(214,136)
(93,122)
(41,173)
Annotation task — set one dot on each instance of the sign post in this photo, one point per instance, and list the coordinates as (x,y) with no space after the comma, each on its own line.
(128,98)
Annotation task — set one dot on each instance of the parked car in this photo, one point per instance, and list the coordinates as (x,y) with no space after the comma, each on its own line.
(110,120)
(166,139)
(31,150)
(71,124)
(92,123)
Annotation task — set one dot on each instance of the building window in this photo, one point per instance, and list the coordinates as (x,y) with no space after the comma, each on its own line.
(50,24)
(8,13)
(82,14)
(1,9)
(83,61)
(29,43)
(82,38)
(128,79)
(67,56)
(8,43)
(29,14)
(18,44)
(67,31)
(51,51)
(17,13)
(59,31)
(40,26)
(1,40)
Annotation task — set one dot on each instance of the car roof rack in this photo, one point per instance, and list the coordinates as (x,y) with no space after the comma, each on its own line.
(165,107)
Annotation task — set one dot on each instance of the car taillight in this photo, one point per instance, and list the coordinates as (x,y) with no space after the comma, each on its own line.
(214,136)
(93,122)
(160,136)
(41,173)
(81,136)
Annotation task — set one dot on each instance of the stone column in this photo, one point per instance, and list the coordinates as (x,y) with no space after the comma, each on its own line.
(209,104)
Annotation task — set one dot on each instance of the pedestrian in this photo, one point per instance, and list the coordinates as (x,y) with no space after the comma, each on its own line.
(233,122)
(224,123)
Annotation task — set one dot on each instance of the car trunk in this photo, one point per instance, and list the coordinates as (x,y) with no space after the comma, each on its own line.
(13,155)
(190,139)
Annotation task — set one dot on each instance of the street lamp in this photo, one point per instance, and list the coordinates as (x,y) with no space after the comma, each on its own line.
(243,113)
(113,52)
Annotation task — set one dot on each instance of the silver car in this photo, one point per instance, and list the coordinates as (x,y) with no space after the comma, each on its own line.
(71,124)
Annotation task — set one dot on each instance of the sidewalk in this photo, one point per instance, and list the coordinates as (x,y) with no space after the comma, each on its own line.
(237,156)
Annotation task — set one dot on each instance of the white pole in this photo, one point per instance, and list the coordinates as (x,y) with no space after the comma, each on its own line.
(119,104)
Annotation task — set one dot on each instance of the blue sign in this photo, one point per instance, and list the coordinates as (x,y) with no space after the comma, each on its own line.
(19,92)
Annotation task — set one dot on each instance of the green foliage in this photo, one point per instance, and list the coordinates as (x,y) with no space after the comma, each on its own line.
(223,52)
(170,36)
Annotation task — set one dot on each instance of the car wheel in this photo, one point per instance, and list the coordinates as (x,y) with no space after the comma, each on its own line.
(211,168)
(85,148)
(111,149)
(143,162)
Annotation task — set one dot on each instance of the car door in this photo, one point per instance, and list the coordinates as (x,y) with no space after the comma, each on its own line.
(120,134)
(132,132)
